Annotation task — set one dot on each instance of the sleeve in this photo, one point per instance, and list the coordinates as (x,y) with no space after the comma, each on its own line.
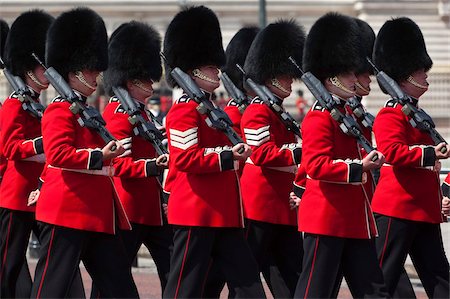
(318,152)
(185,144)
(391,137)
(446,186)
(300,182)
(15,145)
(259,135)
(58,128)
(127,167)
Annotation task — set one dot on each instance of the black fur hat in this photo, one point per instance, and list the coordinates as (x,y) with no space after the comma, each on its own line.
(332,46)
(269,52)
(400,49)
(27,35)
(236,52)
(366,42)
(4,29)
(193,39)
(133,52)
(77,40)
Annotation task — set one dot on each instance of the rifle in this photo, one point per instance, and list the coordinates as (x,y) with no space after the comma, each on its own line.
(418,117)
(142,127)
(365,117)
(216,118)
(270,100)
(88,117)
(234,92)
(23,92)
(346,123)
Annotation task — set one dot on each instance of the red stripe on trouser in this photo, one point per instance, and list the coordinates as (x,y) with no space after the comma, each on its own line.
(46,264)
(6,245)
(312,268)
(385,242)
(182,263)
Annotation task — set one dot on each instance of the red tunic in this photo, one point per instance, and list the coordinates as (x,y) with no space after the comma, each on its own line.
(269,172)
(205,187)
(72,197)
(135,175)
(335,202)
(21,145)
(408,188)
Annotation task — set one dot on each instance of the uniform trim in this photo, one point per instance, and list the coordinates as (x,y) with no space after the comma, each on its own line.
(226,161)
(445,189)
(298,190)
(256,137)
(150,168)
(184,139)
(316,247)
(95,160)
(36,158)
(296,151)
(38,145)
(385,242)
(46,264)
(183,263)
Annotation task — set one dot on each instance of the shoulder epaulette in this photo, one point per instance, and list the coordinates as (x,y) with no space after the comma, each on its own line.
(257,100)
(183,99)
(317,107)
(59,99)
(392,103)
(119,109)
(113,100)
(232,102)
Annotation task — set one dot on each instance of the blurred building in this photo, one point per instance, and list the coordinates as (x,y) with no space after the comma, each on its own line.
(431,15)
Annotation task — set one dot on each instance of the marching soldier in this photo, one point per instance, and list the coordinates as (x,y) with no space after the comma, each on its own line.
(269,172)
(408,198)
(334,212)
(78,207)
(134,64)
(236,53)
(204,205)
(22,146)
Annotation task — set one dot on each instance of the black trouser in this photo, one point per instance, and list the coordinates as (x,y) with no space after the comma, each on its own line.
(423,242)
(194,247)
(326,259)
(103,256)
(15,229)
(278,252)
(16,281)
(159,242)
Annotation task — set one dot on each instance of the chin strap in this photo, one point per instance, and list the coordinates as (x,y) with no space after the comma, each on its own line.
(336,82)
(277,84)
(139,84)
(359,85)
(411,80)
(82,79)
(33,78)
(199,74)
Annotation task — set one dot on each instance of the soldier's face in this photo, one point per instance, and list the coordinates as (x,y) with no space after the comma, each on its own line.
(417,84)
(42,82)
(140,89)
(364,82)
(208,77)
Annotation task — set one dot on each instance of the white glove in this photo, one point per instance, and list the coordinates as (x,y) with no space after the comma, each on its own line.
(126,143)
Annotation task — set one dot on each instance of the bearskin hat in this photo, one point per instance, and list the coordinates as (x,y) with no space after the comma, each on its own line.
(332,46)
(133,53)
(4,29)
(77,40)
(236,53)
(26,36)
(193,39)
(366,42)
(269,52)
(400,49)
